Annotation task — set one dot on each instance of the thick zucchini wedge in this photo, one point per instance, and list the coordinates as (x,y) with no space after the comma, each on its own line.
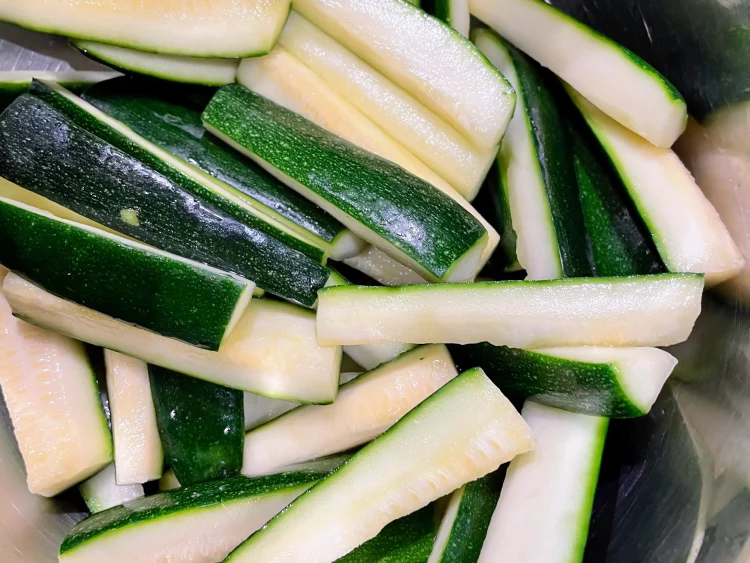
(101,492)
(124,279)
(191,70)
(371,356)
(416,128)
(614,79)
(611,382)
(687,231)
(201,425)
(545,505)
(466,519)
(302,371)
(538,173)
(226,28)
(654,310)
(364,409)
(408,47)
(453,12)
(430,452)
(13,83)
(383,269)
(53,401)
(202,523)
(139,457)
(175,125)
(433,234)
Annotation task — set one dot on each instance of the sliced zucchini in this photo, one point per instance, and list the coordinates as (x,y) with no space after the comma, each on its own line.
(383,269)
(537,171)
(53,401)
(127,280)
(408,47)
(614,79)
(654,310)
(101,492)
(611,382)
(376,199)
(225,28)
(364,409)
(685,228)
(430,452)
(370,356)
(13,83)
(453,12)
(466,519)
(416,128)
(138,452)
(306,375)
(545,505)
(202,523)
(175,125)
(192,70)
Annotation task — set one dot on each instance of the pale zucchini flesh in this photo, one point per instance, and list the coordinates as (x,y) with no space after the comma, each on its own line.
(657,310)
(453,12)
(430,452)
(364,409)
(101,492)
(383,269)
(370,356)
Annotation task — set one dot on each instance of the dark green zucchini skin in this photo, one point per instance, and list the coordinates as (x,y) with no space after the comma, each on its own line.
(492,202)
(405,211)
(43,151)
(201,425)
(178,129)
(154,291)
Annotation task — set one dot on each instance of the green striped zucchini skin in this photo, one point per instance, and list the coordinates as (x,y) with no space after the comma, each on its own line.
(177,128)
(407,213)
(201,425)
(127,281)
(44,152)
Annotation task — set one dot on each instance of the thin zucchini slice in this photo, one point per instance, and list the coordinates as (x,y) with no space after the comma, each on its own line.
(545,505)
(363,191)
(611,382)
(453,12)
(364,409)
(654,310)
(408,47)
(53,401)
(687,231)
(101,492)
(430,452)
(383,269)
(225,28)
(370,356)
(302,371)
(202,523)
(466,519)
(201,425)
(138,452)
(13,83)
(124,279)
(538,173)
(416,128)
(614,79)
(192,70)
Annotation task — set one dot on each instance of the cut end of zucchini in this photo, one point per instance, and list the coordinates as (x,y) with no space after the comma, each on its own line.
(101,492)
(370,356)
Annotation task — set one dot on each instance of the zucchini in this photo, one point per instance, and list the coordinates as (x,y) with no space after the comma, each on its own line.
(192,70)
(537,171)
(307,375)
(418,129)
(372,355)
(127,280)
(201,425)
(382,268)
(138,451)
(13,83)
(101,492)
(685,228)
(466,519)
(363,191)
(545,505)
(611,382)
(614,79)
(53,401)
(453,12)
(201,523)
(408,47)
(173,124)
(226,28)
(654,310)
(258,247)
(364,409)
(430,452)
